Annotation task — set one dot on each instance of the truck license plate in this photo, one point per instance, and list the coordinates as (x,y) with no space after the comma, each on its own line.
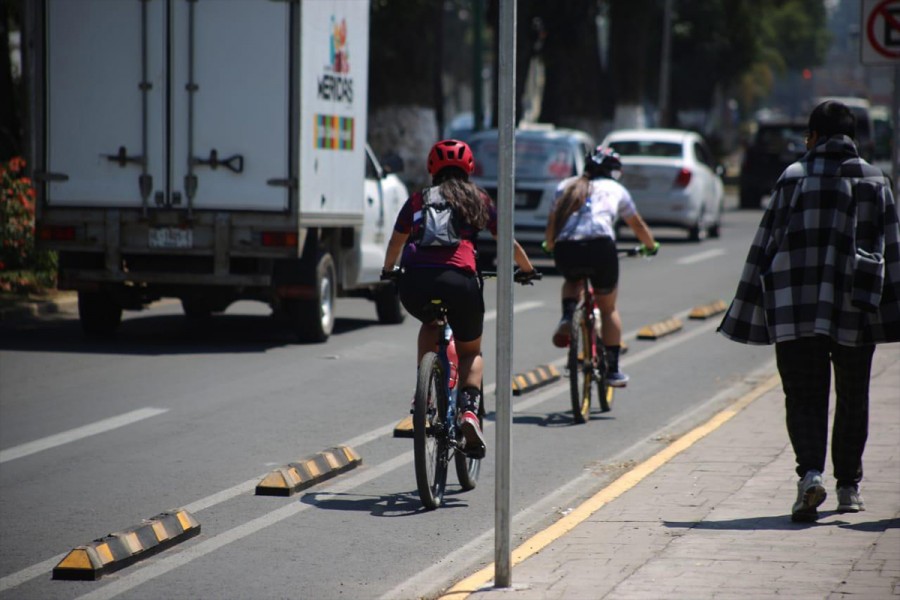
(170,237)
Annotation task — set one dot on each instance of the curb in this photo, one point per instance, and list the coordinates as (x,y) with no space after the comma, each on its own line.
(118,550)
(40,308)
(294,477)
(658,330)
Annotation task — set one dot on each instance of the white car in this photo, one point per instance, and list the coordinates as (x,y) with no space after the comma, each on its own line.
(673,178)
(545,155)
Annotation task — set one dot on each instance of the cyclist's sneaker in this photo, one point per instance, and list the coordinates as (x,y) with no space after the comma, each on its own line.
(617,379)
(810,494)
(563,331)
(473,441)
(849,500)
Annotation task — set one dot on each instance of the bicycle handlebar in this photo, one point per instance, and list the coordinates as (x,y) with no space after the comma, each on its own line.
(519,276)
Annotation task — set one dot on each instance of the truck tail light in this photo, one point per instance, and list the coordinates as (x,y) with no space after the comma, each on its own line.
(56,233)
(683,178)
(283,239)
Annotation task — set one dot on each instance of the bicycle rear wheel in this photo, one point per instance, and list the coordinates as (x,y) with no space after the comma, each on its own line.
(581,368)
(468,469)
(431,447)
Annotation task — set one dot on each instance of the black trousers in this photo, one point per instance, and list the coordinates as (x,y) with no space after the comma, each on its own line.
(805,368)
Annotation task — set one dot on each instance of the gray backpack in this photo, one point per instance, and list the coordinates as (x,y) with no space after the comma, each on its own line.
(439,225)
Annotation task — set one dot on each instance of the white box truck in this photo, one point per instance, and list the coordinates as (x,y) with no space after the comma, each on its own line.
(209,151)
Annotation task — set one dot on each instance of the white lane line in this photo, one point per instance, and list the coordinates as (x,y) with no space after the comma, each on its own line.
(29,573)
(538,397)
(78,433)
(173,561)
(700,256)
(517,308)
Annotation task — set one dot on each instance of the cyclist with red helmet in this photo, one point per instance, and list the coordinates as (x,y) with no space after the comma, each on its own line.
(581,235)
(435,231)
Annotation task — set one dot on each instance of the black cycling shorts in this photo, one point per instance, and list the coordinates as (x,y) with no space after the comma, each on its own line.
(458,290)
(595,258)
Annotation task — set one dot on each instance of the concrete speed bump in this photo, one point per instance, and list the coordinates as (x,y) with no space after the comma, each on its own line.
(404,428)
(658,330)
(708,310)
(117,550)
(541,376)
(309,471)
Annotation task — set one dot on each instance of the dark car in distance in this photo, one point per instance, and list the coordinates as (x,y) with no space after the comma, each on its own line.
(775,145)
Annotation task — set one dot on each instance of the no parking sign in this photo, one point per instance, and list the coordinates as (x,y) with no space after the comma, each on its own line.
(880,35)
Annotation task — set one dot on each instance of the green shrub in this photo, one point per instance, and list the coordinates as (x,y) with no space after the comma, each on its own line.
(22,266)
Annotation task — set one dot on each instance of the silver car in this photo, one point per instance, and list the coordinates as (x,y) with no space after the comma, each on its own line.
(672,177)
(544,156)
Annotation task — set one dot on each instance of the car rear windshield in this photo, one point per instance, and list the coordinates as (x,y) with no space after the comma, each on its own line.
(647,148)
(535,159)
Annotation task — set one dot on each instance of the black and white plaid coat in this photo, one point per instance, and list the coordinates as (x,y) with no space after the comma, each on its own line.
(826,257)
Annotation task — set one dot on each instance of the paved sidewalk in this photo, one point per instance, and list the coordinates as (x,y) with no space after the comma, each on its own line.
(714,522)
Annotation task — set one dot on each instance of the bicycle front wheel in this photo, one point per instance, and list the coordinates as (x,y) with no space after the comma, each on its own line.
(581,368)
(468,469)
(431,447)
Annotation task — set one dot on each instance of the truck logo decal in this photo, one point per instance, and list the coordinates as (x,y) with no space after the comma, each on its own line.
(336,83)
(332,132)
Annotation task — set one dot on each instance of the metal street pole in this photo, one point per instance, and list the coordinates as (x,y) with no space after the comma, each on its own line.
(477,65)
(895,146)
(505,194)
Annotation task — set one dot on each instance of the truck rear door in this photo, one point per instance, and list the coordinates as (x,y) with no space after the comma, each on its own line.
(105,102)
(168,103)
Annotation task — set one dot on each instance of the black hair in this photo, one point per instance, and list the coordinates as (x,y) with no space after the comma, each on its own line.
(832,118)
(463,195)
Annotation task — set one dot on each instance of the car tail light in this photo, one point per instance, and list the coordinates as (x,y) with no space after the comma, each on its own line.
(284,239)
(56,233)
(683,178)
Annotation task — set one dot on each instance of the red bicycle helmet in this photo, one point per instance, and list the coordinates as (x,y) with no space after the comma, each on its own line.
(451,153)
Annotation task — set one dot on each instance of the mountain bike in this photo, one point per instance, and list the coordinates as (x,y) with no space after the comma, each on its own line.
(437,439)
(587,359)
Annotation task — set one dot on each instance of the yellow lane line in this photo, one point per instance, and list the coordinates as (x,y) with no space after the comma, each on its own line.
(544,538)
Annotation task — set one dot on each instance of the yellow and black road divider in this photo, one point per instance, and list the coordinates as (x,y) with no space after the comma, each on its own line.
(539,377)
(658,330)
(297,476)
(521,384)
(117,550)
(706,311)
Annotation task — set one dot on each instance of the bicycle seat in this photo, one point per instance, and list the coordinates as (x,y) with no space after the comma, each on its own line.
(435,310)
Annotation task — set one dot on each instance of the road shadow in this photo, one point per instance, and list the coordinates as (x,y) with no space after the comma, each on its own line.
(163,335)
(402,504)
(552,419)
(784,523)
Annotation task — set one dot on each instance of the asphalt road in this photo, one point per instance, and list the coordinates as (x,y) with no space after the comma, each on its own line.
(96,436)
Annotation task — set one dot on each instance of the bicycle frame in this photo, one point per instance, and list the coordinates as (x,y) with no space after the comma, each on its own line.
(432,460)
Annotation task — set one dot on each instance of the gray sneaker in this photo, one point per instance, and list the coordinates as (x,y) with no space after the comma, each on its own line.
(849,500)
(810,494)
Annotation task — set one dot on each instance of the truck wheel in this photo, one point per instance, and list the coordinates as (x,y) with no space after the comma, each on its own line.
(100,316)
(388,306)
(314,318)
(196,310)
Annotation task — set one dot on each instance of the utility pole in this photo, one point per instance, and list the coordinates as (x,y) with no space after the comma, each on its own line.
(505,207)
(665,66)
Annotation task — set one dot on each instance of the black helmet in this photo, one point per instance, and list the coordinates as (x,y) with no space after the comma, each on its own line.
(603,162)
